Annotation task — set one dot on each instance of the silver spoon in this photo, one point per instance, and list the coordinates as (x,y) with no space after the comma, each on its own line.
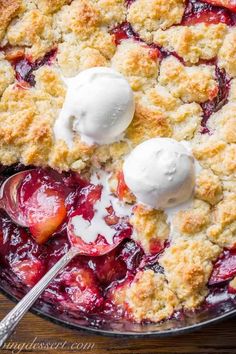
(8,202)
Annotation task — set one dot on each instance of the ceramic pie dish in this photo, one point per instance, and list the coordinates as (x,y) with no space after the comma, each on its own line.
(163,72)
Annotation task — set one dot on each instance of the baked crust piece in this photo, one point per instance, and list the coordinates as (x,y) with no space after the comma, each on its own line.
(150,228)
(188,265)
(223,229)
(7,75)
(9,9)
(27,117)
(227,53)
(190,84)
(192,43)
(50,6)
(193,220)
(32,30)
(134,60)
(208,187)
(148,297)
(147,16)
(217,155)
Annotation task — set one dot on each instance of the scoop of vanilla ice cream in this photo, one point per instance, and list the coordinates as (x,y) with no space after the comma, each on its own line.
(99,106)
(160,172)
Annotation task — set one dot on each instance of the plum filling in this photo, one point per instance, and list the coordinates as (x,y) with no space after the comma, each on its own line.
(198,11)
(224,271)
(25,68)
(219,101)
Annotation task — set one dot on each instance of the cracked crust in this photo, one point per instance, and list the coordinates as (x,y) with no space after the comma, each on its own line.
(149,297)
(202,41)
(223,228)
(9,9)
(190,84)
(147,16)
(188,265)
(208,187)
(150,228)
(33,31)
(135,61)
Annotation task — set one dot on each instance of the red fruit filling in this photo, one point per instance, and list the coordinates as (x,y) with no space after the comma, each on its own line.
(124,31)
(42,201)
(89,195)
(109,268)
(210,17)
(156,247)
(29,271)
(199,11)
(229,4)
(214,105)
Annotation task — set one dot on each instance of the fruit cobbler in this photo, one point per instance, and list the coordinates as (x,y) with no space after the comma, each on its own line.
(123,114)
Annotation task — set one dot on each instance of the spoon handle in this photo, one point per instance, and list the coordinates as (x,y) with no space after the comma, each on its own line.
(9,322)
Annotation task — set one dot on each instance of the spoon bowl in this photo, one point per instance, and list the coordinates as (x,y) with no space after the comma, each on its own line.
(93,249)
(9,198)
